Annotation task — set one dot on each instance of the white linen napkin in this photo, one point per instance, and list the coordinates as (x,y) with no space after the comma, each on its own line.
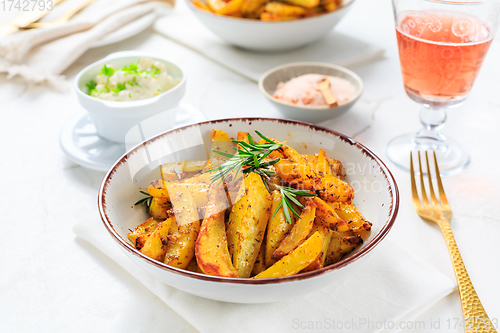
(389,288)
(41,55)
(336,48)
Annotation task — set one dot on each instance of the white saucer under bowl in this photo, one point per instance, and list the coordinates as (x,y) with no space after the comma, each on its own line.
(80,142)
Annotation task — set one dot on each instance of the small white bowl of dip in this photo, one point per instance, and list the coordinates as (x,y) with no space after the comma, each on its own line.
(114,119)
(270,81)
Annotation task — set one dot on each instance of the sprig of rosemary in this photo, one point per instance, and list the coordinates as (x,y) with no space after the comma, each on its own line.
(144,201)
(288,196)
(249,158)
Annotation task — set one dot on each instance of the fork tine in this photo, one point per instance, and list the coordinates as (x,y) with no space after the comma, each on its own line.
(431,188)
(442,195)
(425,201)
(414,192)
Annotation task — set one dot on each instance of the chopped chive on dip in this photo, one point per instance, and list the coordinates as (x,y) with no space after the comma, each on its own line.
(144,79)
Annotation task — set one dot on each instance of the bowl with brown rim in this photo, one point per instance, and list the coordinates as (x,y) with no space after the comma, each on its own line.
(376,196)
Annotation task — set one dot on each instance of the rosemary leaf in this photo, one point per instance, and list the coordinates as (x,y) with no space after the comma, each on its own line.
(264,137)
(177,172)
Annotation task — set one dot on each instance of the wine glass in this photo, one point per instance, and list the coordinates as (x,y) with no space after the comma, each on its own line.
(442,45)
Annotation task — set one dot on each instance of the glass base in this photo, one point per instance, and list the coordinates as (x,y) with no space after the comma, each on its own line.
(452,159)
(435,101)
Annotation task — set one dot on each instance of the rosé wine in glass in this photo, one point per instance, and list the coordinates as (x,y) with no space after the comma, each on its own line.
(441,54)
(442,45)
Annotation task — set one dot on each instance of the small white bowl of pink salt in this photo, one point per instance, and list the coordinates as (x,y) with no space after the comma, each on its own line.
(311,91)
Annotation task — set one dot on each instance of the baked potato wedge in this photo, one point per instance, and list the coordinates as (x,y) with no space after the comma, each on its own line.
(175,171)
(252,8)
(283,10)
(158,189)
(183,204)
(304,3)
(156,245)
(220,142)
(350,213)
(172,171)
(299,232)
(296,260)
(212,254)
(319,262)
(247,224)
(193,266)
(242,136)
(277,228)
(142,232)
(260,264)
(340,246)
(327,217)
(202,5)
(222,7)
(182,239)
(333,189)
(181,244)
(159,208)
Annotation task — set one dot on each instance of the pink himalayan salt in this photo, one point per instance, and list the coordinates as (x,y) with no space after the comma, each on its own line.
(302,90)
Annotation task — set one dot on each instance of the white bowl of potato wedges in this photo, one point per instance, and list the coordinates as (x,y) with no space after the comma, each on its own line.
(267,25)
(248,210)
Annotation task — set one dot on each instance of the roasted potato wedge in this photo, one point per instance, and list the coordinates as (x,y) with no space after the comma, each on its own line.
(183,204)
(182,239)
(175,171)
(277,229)
(332,189)
(329,5)
(242,136)
(212,254)
(181,244)
(220,142)
(156,245)
(291,154)
(202,5)
(283,10)
(255,9)
(193,266)
(299,232)
(144,228)
(339,247)
(172,171)
(247,224)
(327,217)
(252,8)
(355,220)
(319,262)
(260,264)
(158,189)
(222,7)
(160,208)
(304,3)
(297,260)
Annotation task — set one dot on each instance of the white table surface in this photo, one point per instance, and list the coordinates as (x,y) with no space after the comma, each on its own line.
(53,282)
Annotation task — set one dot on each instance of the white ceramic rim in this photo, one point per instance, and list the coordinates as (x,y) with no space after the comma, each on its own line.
(394,207)
(318,64)
(127,104)
(256,21)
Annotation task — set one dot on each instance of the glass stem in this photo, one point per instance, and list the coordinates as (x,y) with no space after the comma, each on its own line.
(433,119)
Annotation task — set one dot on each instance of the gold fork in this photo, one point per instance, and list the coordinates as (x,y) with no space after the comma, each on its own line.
(475,317)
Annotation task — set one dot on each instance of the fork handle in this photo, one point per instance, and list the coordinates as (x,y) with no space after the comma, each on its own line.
(475,318)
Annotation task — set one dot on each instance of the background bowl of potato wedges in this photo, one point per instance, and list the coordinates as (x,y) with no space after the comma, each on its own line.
(376,196)
(276,34)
